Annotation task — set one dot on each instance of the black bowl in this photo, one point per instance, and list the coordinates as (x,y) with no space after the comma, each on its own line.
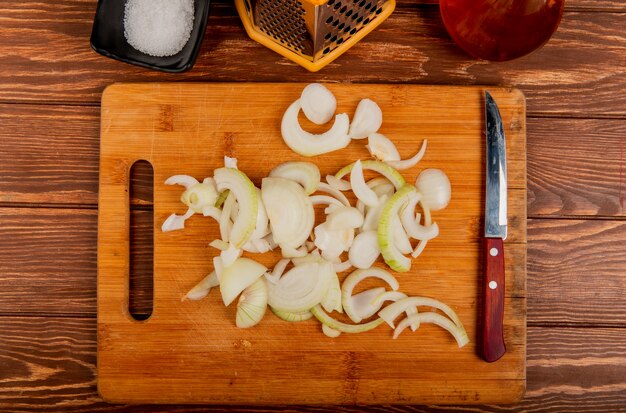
(107,38)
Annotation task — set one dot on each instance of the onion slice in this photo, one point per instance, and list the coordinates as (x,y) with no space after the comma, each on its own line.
(364,250)
(183,180)
(292,317)
(238,276)
(338,184)
(392,311)
(356,277)
(386,230)
(363,192)
(301,288)
(323,187)
(290,211)
(330,332)
(175,222)
(318,103)
(246,194)
(201,290)
(327,320)
(382,148)
(412,161)
(306,174)
(380,167)
(435,188)
(459,333)
(308,144)
(364,305)
(367,119)
(252,304)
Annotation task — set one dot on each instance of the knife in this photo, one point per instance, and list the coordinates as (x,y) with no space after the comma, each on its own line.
(495,233)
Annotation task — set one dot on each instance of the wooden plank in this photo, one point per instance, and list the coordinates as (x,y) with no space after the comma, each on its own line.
(573,164)
(576,167)
(576,271)
(49,154)
(48,364)
(558,79)
(138,363)
(58,274)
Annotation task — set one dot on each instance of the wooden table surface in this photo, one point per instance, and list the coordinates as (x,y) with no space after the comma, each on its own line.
(50,88)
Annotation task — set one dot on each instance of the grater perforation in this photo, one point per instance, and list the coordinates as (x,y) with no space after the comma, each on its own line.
(311,32)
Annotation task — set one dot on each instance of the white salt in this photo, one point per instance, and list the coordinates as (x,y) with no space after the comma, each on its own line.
(158,27)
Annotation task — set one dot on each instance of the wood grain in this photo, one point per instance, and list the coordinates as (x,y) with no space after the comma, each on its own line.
(576,272)
(48,364)
(576,167)
(558,79)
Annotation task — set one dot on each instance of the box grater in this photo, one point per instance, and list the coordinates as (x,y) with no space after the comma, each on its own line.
(311,33)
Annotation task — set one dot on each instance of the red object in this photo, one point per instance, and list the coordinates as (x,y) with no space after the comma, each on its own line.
(501,29)
(493,347)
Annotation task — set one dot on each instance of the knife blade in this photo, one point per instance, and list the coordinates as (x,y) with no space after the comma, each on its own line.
(493,346)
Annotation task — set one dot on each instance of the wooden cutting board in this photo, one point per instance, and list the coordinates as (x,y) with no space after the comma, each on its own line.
(191,352)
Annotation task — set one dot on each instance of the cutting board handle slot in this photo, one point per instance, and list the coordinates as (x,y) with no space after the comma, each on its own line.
(141,240)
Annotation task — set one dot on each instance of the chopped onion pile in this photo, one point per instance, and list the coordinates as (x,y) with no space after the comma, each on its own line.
(389,215)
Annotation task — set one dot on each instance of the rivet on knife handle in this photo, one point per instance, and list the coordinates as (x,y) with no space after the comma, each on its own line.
(493,300)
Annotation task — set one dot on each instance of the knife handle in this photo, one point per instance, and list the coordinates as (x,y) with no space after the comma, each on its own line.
(493,300)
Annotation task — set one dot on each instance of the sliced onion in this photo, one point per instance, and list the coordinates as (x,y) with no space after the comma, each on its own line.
(300,289)
(325,200)
(382,148)
(412,161)
(292,317)
(331,242)
(367,119)
(230,162)
(290,252)
(356,277)
(395,296)
(380,167)
(222,198)
(435,188)
(213,212)
(252,304)
(364,250)
(239,276)
(372,217)
(278,271)
(200,196)
(201,290)
(392,311)
(290,211)
(218,267)
(245,193)
(400,237)
(363,192)
(386,230)
(338,184)
(344,218)
(230,254)
(175,222)
(363,305)
(332,299)
(306,174)
(459,333)
(184,180)
(308,144)
(327,320)
(323,187)
(330,332)
(225,223)
(318,103)
(411,224)
(219,245)
(342,266)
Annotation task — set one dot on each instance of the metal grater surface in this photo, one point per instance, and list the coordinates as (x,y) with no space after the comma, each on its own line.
(310,30)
